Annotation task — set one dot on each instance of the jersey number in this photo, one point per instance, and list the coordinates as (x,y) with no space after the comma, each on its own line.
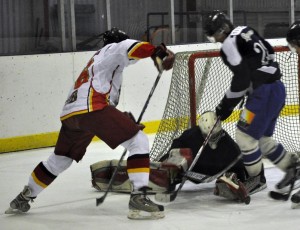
(260,48)
(84,75)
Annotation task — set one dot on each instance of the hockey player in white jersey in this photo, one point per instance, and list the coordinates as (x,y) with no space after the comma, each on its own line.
(256,75)
(90,110)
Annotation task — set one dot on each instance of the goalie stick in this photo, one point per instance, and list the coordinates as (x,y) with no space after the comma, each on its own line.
(203,178)
(167,197)
(101,199)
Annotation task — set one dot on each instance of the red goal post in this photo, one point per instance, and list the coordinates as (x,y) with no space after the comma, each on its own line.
(199,81)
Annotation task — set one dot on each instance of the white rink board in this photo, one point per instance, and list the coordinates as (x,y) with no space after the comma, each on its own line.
(34,88)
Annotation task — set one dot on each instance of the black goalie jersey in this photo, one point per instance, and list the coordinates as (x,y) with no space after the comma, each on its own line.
(211,161)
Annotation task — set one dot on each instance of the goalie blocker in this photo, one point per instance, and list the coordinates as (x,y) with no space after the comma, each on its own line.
(164,176)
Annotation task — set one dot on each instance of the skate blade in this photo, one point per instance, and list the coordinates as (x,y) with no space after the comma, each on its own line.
(13,211)
(142,215)
(295,205)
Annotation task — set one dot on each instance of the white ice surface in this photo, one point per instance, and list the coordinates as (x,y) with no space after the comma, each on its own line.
(70,201)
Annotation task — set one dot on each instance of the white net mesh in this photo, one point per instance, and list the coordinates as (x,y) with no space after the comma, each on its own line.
(190,96)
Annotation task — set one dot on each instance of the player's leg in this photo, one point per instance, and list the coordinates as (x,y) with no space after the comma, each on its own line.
(115,128)
(257,120)
(283,159)
(252,158)
(138,169)
(71,144)
(274,151)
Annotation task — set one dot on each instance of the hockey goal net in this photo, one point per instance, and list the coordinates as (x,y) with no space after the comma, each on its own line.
(199,81)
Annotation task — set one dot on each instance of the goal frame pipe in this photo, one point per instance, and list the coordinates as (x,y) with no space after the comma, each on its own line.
(212,54)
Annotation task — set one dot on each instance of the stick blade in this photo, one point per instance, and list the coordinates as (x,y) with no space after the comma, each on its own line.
(100,200)
(165,197)
(279,196)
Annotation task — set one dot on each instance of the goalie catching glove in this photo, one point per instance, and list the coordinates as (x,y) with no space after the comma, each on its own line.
(163,58)
(230,187)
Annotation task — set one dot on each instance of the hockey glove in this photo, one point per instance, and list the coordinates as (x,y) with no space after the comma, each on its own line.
(130,115)
(226,106)
(163,58)
(223,111)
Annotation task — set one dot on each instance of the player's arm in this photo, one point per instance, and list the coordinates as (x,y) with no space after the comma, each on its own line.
(238,88)
(163,58)
(240,82)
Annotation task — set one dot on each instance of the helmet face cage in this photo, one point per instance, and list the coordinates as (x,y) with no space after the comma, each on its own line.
(217,22)
(114,36)
(206,123)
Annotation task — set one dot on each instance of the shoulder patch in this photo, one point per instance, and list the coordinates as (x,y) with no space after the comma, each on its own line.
(237,30)
(247,36)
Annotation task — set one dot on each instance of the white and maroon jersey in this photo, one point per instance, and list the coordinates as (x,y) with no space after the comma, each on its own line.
(99,83)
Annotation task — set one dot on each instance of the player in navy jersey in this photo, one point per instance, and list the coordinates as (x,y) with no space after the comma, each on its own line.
(256,80)
(90,110)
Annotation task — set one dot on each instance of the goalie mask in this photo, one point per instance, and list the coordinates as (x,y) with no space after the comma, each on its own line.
(114,36)
(206,123)
(217,23)
(293,36)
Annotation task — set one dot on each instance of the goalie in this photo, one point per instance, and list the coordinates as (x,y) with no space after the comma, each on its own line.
(220,152)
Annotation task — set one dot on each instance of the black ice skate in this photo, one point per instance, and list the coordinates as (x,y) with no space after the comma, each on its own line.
(257,183)
(21,203)
(141,207)
(296,200)
(290,175)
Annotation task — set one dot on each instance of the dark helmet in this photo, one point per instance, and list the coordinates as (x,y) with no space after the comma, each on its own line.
(114,36)
(217,21)
(293,34)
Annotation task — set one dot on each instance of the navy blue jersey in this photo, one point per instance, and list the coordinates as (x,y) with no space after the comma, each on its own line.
(251,59)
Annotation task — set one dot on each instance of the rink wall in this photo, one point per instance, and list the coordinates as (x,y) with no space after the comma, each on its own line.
(34,89)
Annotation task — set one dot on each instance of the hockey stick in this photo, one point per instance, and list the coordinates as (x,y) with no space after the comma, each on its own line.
(102,198)
(203,178)
(168,197)
(282,196)
(285,196)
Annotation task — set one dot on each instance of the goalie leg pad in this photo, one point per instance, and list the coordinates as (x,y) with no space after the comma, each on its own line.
(230,187)
(102,172)
(159,179)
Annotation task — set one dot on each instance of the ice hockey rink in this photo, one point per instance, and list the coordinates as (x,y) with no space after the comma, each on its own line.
(70,201)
